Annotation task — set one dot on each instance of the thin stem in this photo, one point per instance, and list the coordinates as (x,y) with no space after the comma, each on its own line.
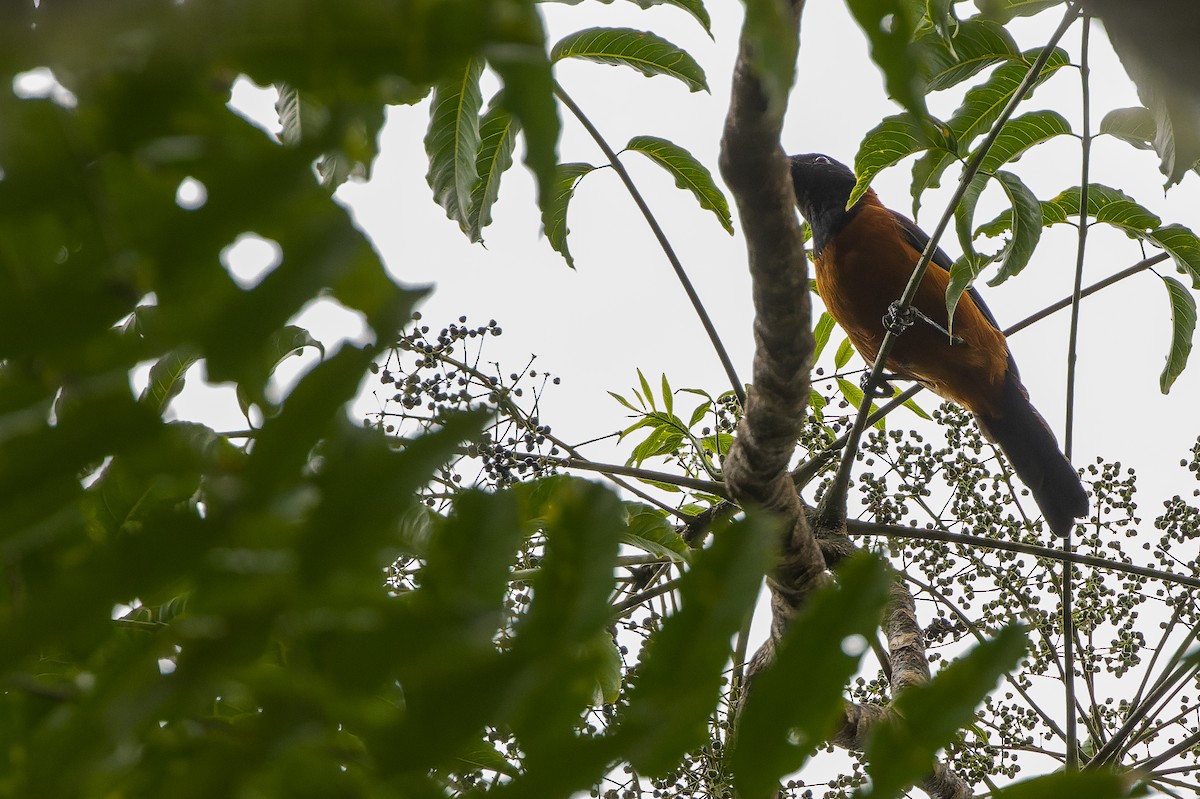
(707,486)
(1068,622)
(835,501)
(685,281)
(896,531)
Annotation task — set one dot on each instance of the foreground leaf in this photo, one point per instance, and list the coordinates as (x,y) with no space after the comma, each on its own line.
(452,142)
(927,718)
(793,705)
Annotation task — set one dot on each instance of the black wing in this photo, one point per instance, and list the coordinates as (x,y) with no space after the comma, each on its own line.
(919,240)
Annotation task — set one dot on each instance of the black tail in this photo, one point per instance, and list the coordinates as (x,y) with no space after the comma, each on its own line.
(1032,450)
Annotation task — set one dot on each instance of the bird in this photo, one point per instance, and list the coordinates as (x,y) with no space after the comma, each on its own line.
(864,256)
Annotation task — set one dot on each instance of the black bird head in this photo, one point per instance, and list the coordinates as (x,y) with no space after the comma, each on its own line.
(822,187)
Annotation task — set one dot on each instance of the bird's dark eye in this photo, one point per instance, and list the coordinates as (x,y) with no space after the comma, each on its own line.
(820,159)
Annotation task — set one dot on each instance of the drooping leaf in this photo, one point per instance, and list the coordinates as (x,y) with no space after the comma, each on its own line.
(1026,229)
(1004,10)
(901,748)
(1184,247)
(452,142)
(283,344)
(554,214)
(1132,125)
(497,140)
(962,276)
(646,52)
(666,716)
(1183,328)
(793,704)
(893,139)
(688,172)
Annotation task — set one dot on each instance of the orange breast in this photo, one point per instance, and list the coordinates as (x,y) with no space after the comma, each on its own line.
(864,268)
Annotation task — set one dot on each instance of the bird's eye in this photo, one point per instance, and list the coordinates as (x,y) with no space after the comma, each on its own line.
(820,159)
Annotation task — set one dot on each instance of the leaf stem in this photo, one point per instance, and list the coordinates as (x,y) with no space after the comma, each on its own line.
(668,250)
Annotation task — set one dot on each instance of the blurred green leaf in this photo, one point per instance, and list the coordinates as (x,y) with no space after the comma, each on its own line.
(167,379)
(1004,10)
(890,26)
(649,54)
(666,716)
(927,717)
(689,174)
(772,44)
(649,530)
(1091,784)
(792,705)
(694,7)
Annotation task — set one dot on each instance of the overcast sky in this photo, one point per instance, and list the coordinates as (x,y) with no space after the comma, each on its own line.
(622,309)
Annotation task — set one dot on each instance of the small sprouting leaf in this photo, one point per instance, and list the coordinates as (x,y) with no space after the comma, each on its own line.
(647,53)
(497,140)
(646,392)
(974,45)
(901,748)
(554,215)
(452,142)
(1133,125)
(821,334)
(844,352)
(688,172)
(794,702)
(893,139)
(1183,327)
(667,395)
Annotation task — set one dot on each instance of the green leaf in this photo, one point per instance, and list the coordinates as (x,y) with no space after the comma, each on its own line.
(497,140)
(1105,204)
(892,140)
(646,392)
(974,45)
(1021,133)
(772,44)
(611,676)
(554,214)
(821,334)
(668,395)
(1026,229)
(1132,125)
(1183,246)
(452,142)
(1092,784)
(1183,328)
(689,174)
(283,344)
(889,26)
(649,530)
(962,276)
(641,50)
(1004,10)
(855,396)
(694,7)
(844,352)
(667,716)
(167,378)
(793,705)
(927,717)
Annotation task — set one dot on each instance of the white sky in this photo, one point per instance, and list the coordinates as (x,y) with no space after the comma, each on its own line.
(622,309)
